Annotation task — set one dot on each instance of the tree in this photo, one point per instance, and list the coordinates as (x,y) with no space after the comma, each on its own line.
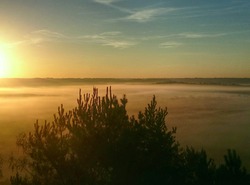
(232,171)
(199,169)
(97,143)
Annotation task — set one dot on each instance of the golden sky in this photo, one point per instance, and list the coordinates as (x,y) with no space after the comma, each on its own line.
(124,38)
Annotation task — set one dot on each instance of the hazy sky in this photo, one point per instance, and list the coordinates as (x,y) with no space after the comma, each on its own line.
(125,38)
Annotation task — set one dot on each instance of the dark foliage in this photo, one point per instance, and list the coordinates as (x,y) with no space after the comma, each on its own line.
(232,171)
(97,143)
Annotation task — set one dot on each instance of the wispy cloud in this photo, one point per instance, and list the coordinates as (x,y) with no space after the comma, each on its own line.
(119,44)
(113,39)
(137,15)
(111,4)
(214,10)
(200,35)
(49,34)
(14,43)
(105,1)
(188,35)
(148,14)
(170,44)
(39,36)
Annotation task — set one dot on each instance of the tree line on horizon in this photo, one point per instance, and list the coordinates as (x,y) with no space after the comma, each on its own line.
(97,143)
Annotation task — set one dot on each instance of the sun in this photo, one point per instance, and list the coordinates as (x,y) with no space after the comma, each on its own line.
(4,65)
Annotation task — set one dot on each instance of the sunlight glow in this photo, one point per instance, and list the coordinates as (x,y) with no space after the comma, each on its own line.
(4,63)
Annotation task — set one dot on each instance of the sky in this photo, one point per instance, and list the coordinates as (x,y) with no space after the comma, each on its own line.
(124,38)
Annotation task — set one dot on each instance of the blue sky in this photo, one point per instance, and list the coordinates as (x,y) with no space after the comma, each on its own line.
(126,38)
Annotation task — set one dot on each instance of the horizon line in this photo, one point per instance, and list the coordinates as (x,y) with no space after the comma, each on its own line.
(124,78)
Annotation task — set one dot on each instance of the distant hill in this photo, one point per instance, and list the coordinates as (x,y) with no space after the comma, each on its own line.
(36,82)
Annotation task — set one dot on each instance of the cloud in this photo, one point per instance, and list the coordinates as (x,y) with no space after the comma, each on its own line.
(170,44)
(214,10)
(26,41)
(184,36)
(40,36)
(192,35)
(148,14)
(49,34)
(111,33)
(113,39)
(105,1)
(15,43)
(142,15)
(119,44)
(199,35)
(110,3)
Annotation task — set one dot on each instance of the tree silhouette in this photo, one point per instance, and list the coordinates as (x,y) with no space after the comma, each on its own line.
(232,171)
(97,143)
(199,169)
